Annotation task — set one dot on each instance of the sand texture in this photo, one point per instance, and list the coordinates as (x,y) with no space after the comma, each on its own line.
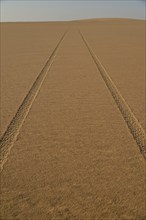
(72,109)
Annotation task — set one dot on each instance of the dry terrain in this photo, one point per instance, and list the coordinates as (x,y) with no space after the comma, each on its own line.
(72,120)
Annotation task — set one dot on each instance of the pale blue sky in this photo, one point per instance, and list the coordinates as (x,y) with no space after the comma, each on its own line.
(46,10)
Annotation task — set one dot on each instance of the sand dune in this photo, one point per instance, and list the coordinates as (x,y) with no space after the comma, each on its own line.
(73,120)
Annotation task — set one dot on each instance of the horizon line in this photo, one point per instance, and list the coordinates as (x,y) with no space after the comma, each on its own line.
(82,19)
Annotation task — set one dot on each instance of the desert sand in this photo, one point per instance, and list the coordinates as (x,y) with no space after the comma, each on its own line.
(69,153)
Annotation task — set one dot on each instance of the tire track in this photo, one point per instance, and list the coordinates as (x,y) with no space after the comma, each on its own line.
(133,124)
(9,137)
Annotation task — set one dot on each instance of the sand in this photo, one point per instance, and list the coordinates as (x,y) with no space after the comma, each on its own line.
(120,46)
(25,47)
(75,157)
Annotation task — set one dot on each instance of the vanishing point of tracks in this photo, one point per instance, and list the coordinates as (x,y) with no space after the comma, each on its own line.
(9,137)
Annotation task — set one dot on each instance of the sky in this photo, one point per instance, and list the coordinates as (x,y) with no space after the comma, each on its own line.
(46,10)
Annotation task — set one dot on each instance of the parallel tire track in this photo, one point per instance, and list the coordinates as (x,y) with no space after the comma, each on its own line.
(133,124)
(9,137)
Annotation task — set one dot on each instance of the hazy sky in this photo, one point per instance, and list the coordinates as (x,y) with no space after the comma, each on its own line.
(46,10)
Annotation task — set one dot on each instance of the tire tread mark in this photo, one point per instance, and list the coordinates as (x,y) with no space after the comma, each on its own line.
(10,135)
(132,122)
